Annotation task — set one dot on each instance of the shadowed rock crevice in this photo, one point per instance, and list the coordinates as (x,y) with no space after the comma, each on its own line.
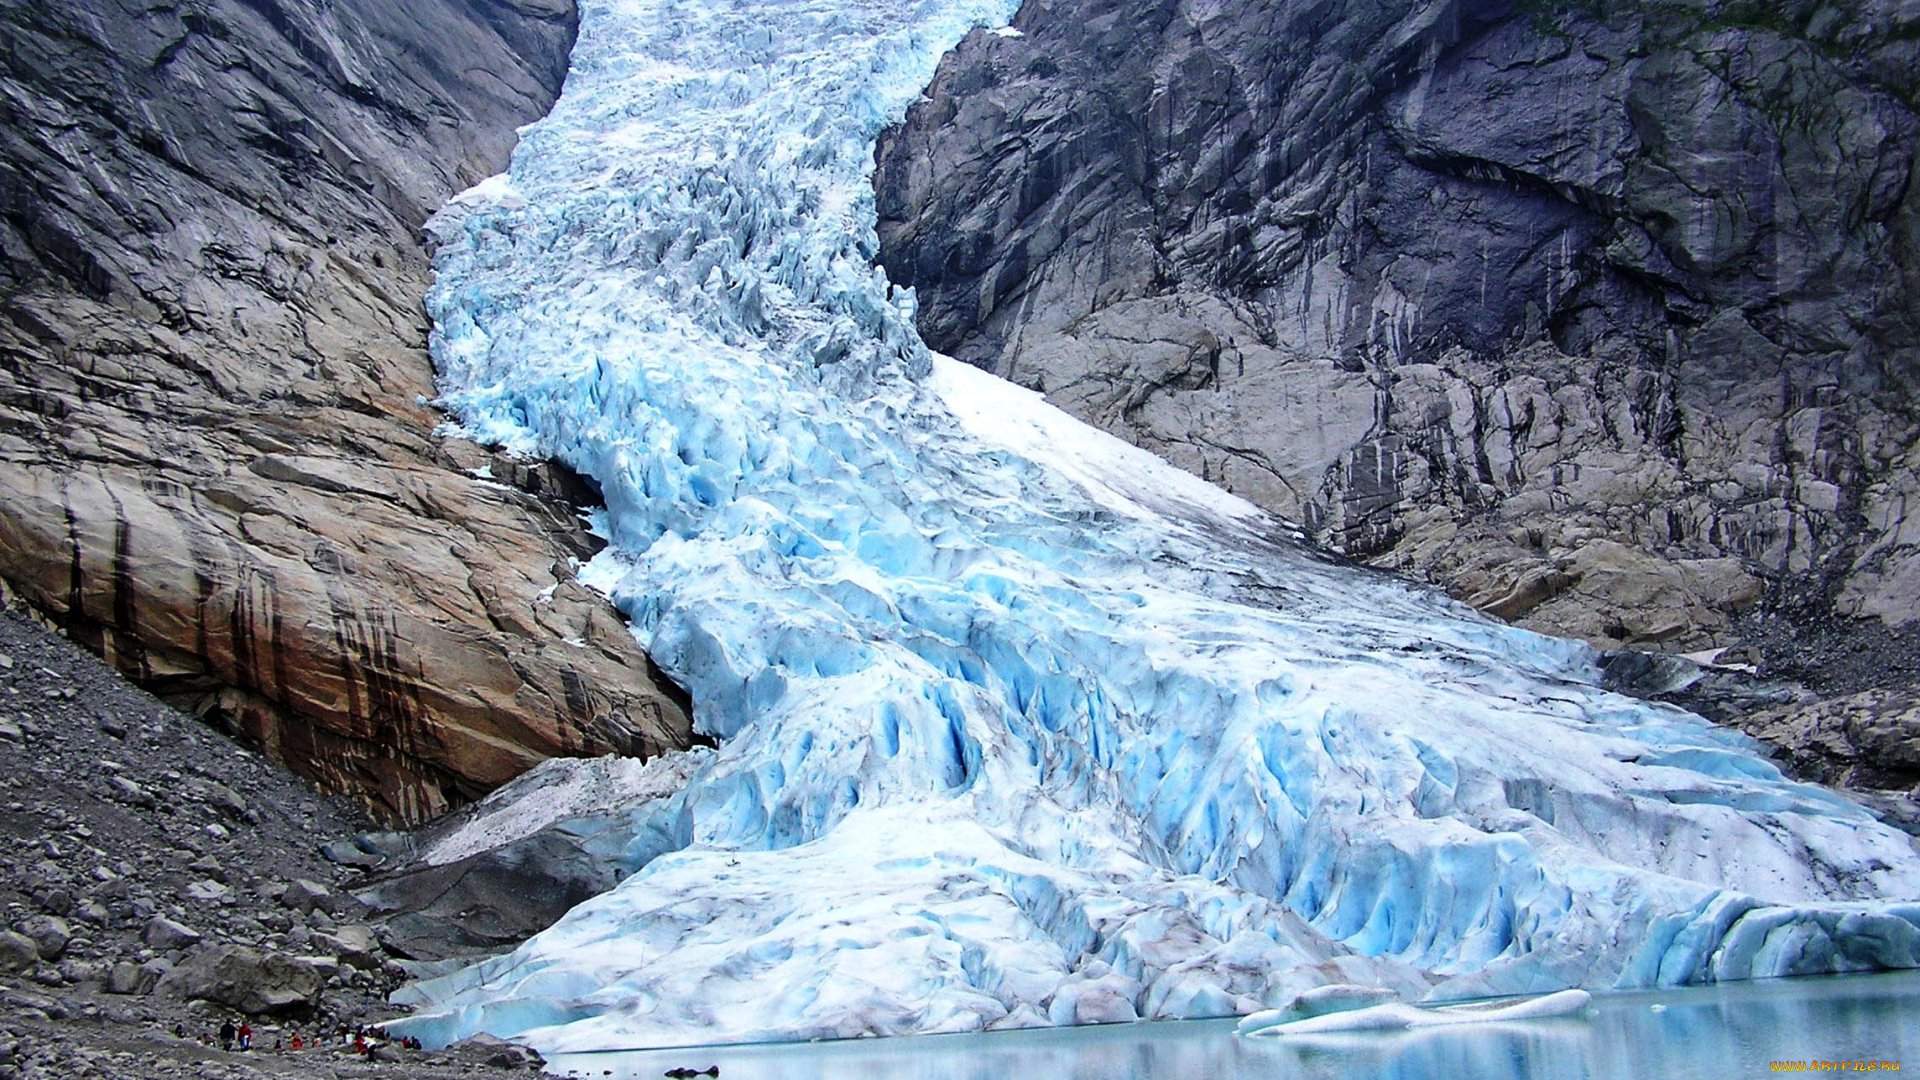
(217,462)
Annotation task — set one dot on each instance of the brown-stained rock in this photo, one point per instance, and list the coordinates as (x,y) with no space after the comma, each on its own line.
(216,464)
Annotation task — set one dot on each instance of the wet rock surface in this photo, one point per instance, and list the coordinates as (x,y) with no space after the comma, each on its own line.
(217,467)
(1602,317)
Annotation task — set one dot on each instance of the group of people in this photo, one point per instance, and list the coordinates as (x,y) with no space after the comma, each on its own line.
(361,1040)
(229,1034)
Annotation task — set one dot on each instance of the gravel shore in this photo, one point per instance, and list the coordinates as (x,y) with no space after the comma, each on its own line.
(160,878)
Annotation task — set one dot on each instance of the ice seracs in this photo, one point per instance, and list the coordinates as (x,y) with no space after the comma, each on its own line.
(1017,725)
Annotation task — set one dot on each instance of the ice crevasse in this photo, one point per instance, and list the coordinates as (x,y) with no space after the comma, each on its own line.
(1017,725)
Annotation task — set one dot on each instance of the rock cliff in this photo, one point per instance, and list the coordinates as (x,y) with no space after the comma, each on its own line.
(217,465)
(1602,316)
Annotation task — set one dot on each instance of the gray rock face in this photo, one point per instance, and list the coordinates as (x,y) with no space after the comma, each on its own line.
(1603,317)
(489,901)
(216,465)
(1869,740)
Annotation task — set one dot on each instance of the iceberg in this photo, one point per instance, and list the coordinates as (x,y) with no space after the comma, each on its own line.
(1320,1001)
(1015,724)
(1399,1016)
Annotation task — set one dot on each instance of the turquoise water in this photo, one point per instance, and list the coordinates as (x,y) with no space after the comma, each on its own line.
(1711,1033)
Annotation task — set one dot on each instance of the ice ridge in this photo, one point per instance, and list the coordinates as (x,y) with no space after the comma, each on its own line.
(1017,725)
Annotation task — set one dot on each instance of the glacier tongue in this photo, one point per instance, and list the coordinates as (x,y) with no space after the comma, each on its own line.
(1020,726)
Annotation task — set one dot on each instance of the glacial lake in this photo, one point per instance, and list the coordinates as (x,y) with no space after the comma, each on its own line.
(1708,1033)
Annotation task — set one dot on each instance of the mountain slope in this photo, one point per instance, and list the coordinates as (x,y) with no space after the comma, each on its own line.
(1603,317)
(215,465)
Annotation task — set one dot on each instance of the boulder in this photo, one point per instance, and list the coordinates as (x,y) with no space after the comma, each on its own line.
(127,977)
(129,792)
(327,967)
(217,795)
(122,977)
(17,952)
(498,1053)
(346,853)
(303,896)
(166,935)
(247,979)
(488,901)
(49,934)
(353,943)
(151,973)
(207,891)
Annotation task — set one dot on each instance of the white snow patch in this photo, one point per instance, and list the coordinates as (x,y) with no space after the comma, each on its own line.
(1114,473)
(562,789)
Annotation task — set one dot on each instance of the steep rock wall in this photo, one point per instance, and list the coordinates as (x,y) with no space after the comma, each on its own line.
(1601,316)
(217,466)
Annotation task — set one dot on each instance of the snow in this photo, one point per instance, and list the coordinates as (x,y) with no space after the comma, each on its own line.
(561,790)
(1118,475)
(1019,726)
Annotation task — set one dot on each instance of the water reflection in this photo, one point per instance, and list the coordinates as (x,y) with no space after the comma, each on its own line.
(1706,1034)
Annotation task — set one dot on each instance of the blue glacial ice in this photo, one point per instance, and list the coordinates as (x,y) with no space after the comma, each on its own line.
(1017,725)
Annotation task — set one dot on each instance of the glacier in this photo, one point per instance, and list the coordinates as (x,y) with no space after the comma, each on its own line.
(1016,725)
